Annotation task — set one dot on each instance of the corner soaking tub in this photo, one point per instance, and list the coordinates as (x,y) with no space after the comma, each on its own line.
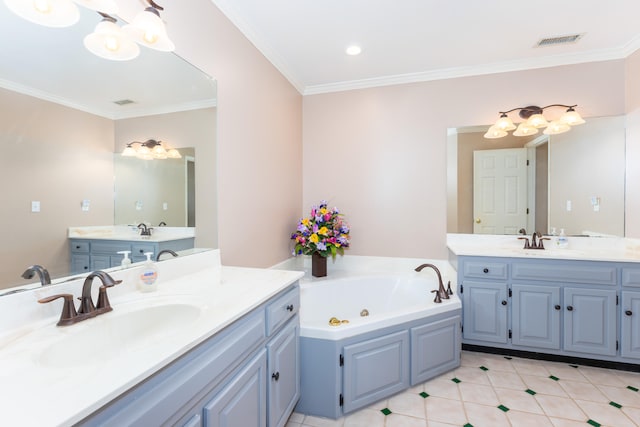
(363,338)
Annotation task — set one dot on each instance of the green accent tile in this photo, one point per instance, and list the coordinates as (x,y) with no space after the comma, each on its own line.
(455,380)
(554,378)
(484,368)
(615,405)
(508,358)
(468,425)
(385,411)
(593,423)
(503,408)
(531,392)
(425,395)
(574,366)
(632,388)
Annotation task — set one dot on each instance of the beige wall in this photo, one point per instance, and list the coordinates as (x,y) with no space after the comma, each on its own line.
(195,128)
(632,199)
(64,159)
(259,137)
(380,154)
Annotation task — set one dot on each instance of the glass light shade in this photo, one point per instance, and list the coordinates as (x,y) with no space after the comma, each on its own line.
(537,121)
(148,30)
(144,153)
(572,118)
(159,152)
(556,127)
(494,133)
(505,123)
(50,13)
(174,154)
(105,6)
(129,151)
(108,41)
(525,130)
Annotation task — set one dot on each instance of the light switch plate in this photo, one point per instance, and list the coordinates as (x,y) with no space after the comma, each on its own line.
(35,206)
(85,205)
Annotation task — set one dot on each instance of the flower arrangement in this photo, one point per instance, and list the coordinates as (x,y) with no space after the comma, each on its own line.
(324,232)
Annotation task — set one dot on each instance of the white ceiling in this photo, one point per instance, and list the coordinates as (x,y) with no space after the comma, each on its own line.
(419,40)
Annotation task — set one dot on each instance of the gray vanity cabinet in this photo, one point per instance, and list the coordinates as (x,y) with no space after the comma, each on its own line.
(434,349)
(375,369)
(630,328)
(590,321)
(485,311)
(535,317)
(283,374)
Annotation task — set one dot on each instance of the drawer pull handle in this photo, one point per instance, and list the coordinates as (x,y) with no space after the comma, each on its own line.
(557,307)
(290,307)
(570,308)
(276,376)
(503,302)
(485,270)
(628,312)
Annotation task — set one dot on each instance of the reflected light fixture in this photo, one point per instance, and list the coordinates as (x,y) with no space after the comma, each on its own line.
(533,121)
(110,42)
(150,150)
(50,13)
(149,30)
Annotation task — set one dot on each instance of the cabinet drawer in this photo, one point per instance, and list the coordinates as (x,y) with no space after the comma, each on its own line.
(79,247)
(138,249)
(565,273)
(631,277)
(109,247)
(282,309)
(485,270)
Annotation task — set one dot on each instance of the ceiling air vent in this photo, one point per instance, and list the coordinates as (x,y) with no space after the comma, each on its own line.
(123,102)
(553,41)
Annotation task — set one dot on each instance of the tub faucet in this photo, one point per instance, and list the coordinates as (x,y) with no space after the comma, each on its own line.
(42,273)
(441,292)
(166,251)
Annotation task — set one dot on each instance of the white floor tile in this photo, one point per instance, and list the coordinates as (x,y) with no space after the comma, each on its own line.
(399,420)
(583,391)
(312,421)
(445,410)
(543,385)
(530,367)
(485,416)
(526,419)
(506,380)
(478,393)
(442,387)
(518,401)
(605,414)
(602,376)
(365,418)
(561,407)
(563,422)
(409,404)
(472,375)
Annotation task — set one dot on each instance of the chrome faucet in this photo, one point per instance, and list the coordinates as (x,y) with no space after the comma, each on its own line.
(144,230)
(441,293)
(42,273)
(165,251)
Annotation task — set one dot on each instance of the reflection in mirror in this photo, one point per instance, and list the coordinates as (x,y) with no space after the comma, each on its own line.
(573,180)
(61,126)
(155,191)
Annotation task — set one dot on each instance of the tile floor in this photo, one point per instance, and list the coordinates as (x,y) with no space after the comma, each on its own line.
(493,391)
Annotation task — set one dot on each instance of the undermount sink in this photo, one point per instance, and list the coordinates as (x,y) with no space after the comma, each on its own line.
(114,333)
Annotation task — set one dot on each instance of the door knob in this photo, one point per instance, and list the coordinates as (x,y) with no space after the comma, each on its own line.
(478,220)
(503,302)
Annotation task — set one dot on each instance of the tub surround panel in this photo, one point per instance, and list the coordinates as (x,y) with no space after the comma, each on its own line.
(27,329)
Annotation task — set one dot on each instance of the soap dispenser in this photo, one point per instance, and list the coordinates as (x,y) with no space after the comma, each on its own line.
(563,241)
(126,261)
(148,281)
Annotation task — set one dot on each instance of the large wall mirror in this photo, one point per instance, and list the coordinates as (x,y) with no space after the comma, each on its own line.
(67,114)
(574,180)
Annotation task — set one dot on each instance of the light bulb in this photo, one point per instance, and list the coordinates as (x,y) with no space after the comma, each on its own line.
(494,133)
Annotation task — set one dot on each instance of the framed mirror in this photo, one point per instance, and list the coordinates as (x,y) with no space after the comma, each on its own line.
(65,113)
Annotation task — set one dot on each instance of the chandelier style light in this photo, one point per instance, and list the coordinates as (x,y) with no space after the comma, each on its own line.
(108,41)
(150,150)
(533,121)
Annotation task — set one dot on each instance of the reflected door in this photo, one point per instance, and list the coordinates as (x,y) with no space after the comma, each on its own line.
(499,191)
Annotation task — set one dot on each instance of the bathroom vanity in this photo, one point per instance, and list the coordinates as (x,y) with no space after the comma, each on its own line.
(213,346)
(582,302)
(96,248)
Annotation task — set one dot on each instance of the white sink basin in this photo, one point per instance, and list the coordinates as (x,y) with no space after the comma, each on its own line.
(108,335)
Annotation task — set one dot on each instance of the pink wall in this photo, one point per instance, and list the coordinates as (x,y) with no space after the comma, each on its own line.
(259,136)
(632,199)
(380,154)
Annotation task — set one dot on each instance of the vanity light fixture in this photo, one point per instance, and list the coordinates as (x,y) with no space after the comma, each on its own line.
(150,149)
(149,30)
(533,121)
(110,42)
(354,50)
(50,13)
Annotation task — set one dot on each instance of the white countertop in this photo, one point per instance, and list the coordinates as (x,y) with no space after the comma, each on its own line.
(613,249)
(40,391)
(130,233)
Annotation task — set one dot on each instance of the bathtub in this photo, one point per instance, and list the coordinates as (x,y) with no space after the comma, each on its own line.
(405,339)
(389,299)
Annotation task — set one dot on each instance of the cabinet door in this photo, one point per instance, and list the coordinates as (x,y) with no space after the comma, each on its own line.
(375,369)
(590,321)
(284,374)
(630,324)
(435,348)
(100,262)
(79,264)
(485,311)
(535,316)
(243,401)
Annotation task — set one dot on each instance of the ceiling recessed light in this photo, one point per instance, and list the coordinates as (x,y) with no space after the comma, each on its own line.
(354,50)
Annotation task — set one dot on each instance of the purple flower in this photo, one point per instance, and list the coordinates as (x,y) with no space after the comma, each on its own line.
(315,228)
(344,229)
(302,228)
(321,246)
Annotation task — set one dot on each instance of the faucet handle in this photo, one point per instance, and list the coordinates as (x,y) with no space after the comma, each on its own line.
(103,299)
(540,244)
(449,291)
(526,242)
(437,298)
(68,309)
